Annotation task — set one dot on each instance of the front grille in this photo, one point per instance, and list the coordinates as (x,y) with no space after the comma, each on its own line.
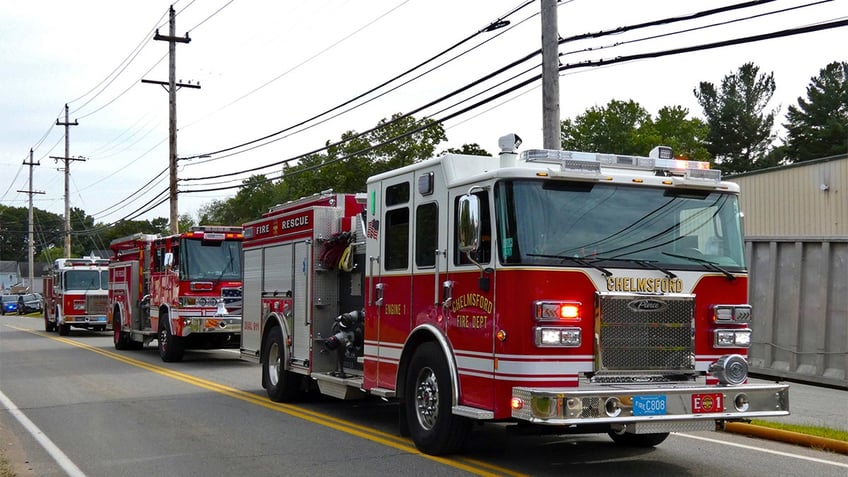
(232,300)
(96,304)
(645,333)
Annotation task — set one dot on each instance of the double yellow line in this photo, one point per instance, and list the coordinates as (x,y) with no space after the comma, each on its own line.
(473,466)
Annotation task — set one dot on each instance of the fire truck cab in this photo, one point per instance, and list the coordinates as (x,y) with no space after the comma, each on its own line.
(75,294)
(577,291)
(182,290)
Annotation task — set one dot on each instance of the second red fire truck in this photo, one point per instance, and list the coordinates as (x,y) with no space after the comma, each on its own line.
(579,292)
(182,290)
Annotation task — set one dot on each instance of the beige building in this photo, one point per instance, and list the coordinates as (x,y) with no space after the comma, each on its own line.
(807,199)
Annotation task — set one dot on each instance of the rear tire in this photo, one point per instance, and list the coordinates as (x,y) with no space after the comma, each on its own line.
(171,348)
(282,385)
(435,430)
(638,440)
(48,325)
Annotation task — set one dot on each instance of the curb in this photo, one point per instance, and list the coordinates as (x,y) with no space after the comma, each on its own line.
(789,437)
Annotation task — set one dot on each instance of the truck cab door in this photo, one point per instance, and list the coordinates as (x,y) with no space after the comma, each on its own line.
(470,314)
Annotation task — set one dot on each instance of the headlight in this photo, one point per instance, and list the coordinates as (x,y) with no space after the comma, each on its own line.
(740,338)
(567,337)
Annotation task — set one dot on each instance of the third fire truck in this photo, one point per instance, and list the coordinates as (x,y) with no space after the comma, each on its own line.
(182,290)
(75,294)
(575,292)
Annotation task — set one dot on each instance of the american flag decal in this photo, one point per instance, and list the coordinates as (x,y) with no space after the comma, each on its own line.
(373,228)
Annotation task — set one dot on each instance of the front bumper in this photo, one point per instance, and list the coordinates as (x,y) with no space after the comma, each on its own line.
(86,321)
(223,324)
(667,404)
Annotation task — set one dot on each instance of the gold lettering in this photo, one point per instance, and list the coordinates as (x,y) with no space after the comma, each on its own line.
(644,285)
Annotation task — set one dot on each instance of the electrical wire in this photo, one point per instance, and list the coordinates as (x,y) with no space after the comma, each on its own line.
(487,28)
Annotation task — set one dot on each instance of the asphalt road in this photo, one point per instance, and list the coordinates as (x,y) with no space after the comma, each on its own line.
(76,406)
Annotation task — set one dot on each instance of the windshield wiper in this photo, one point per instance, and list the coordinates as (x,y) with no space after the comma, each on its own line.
(708,264)
(639,261)
(579,261)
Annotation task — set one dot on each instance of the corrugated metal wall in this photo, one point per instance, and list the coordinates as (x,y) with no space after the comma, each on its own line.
(808,199)
(799,291)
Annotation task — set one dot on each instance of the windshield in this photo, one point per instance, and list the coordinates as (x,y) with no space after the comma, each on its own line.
(210,260)
(85,280)
(552,222)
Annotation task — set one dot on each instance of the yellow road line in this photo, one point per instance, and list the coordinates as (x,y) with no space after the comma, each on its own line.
(403,444)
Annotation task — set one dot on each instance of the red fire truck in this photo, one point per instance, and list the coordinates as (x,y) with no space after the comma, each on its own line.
(574,292)
(75,294)
(183,290)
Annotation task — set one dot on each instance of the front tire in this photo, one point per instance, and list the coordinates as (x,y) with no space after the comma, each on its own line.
(64,330)
(171,348)
(282,385)
(638,440)
(121,339)
(435,430)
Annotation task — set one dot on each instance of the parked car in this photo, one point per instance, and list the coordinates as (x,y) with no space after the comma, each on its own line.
(10,304)
(29,303)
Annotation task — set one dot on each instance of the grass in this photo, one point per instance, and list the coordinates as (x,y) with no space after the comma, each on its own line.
(802,429)
(5,467)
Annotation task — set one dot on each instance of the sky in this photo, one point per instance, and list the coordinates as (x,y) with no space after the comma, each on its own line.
(264,66)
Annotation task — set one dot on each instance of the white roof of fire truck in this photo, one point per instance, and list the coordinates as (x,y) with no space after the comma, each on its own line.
(659,168)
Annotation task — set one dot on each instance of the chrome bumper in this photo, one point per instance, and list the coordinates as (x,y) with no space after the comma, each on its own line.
(211,324)
(623,404)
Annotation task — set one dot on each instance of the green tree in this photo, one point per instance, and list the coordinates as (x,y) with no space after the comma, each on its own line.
(818,126)
(472,149)
(14,232)
(347,166)
(627,128)
(740,126)
(612,129)
(255,196)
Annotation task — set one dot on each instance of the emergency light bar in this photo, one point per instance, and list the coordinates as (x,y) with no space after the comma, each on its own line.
(215,232)
(591,162)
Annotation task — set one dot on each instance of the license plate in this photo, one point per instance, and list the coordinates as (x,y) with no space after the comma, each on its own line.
(99,318)
(651,405)
(708,402)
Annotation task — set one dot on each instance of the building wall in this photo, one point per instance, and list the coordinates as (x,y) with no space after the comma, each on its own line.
(808,199)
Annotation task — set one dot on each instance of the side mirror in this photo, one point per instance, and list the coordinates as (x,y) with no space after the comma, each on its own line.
(169,260)
(468,231)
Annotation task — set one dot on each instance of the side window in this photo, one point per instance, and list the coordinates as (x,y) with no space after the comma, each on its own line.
(396,246)
(426,234)
(484,253)
(158,257)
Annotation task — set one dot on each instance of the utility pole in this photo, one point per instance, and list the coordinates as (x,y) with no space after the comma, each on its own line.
(67,159)
(171,86)
(550,76)
(30,234)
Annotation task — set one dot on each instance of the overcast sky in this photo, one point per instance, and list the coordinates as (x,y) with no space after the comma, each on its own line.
(264,66)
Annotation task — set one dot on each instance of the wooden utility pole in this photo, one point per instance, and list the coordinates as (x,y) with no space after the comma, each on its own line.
(171,87)
(30,231)
(550,76)
(67,159)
